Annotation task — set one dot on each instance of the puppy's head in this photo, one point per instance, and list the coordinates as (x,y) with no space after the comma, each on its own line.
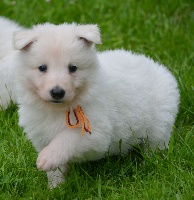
(57,63)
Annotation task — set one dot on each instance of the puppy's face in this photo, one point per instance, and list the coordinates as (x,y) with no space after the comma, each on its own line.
(57,62)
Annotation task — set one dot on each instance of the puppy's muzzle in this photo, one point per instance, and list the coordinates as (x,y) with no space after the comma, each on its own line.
(57,93)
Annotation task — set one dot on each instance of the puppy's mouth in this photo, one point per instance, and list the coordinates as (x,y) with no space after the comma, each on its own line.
(56,102)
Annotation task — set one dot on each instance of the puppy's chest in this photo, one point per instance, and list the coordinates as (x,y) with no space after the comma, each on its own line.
(41,127)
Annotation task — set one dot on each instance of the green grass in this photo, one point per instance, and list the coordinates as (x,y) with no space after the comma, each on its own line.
(163,30)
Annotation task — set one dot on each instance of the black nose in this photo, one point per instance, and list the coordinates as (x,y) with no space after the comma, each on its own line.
(57,93)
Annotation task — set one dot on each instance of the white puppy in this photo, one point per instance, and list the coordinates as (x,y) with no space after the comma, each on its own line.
(7,61)
(117,99)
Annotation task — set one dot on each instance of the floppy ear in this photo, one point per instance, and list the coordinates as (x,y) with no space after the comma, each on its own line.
(24,39)
(90,34)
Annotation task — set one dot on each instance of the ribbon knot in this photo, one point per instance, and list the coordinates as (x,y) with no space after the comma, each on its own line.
(82,121)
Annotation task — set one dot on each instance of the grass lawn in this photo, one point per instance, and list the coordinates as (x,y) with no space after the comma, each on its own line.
(163,30)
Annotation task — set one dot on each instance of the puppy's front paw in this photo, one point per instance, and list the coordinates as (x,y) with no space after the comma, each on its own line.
(47,160)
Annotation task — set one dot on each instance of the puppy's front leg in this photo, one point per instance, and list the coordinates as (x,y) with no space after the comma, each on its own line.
(56,177)
(58,152)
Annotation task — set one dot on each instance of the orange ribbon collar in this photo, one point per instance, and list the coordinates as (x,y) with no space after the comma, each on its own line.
(82,121)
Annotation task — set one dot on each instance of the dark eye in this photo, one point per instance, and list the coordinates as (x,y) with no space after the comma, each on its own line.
(72,68)
(42,68)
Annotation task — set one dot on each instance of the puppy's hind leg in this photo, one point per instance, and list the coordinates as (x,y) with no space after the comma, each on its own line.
(150,146)
(56,177)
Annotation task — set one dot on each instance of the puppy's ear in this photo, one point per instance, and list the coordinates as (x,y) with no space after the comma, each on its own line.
(24,39)
(90,34)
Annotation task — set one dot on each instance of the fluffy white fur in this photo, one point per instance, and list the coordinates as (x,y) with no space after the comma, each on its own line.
(7,61)
(125,96)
